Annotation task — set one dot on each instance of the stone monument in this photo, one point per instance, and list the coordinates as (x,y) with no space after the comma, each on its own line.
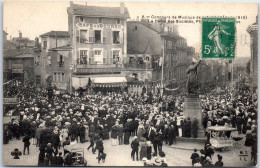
(192,106)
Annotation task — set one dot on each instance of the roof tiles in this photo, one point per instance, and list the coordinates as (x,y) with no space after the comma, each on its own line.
(96,11)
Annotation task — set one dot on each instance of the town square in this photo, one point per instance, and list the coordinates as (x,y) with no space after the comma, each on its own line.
(114,84)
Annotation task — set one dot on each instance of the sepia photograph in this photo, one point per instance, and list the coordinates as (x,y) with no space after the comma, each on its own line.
(130,84)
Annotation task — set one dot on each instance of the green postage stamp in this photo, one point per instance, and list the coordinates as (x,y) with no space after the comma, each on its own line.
(218,38)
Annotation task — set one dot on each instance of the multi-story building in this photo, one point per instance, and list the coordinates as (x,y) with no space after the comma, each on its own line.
(252,30)
(23,42)
(52,64)
(182,61)
(18,58)
(148,43)
(98,38)
(18,64)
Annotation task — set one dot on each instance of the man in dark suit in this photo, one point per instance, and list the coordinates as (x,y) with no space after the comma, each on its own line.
(120,134)
(100,146)
(26,141)
(195,127)
(135,146)
(188,127)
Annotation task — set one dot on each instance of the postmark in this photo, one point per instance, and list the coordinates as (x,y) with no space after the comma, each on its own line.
(218,38)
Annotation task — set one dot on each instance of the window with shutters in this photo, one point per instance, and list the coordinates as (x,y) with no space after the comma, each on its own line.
(44,44)
(58,77)
(116,37)
(91,57)
(83,36)
(97,36)
(116,56)
(60,60)
(100,20)
(83,57)
(104,58)
(98,57)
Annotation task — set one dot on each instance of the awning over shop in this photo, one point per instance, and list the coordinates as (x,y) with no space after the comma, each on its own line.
(110,81)
(78,82)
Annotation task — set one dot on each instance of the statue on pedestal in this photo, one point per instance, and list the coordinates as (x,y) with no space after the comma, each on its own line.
(192,80)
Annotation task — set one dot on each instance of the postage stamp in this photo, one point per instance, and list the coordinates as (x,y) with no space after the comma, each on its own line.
(218,38)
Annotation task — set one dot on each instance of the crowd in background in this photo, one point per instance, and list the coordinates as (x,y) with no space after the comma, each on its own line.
(54,121)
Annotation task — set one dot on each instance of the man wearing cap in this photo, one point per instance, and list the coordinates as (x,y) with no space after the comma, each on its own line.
(135,146)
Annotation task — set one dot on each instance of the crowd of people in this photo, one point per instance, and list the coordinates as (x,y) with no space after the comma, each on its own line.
(56,121)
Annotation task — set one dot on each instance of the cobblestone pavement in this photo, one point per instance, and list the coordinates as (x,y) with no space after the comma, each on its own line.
(120,155)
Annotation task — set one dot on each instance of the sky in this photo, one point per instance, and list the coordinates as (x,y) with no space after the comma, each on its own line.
(34,18)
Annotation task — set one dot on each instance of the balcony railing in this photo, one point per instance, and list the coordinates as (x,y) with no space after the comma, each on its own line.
(99,66)
(137,66)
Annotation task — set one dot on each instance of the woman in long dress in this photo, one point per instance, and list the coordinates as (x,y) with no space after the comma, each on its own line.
(216,35)
(140,131)
(143,148)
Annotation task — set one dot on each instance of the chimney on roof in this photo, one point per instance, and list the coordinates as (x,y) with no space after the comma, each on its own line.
(36,42)
(71,5)
(20,34)
(122,8)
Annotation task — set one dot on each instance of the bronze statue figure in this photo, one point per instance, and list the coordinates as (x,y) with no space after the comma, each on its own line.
(192,80)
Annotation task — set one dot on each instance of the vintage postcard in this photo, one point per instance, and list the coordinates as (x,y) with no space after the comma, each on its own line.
(91,83)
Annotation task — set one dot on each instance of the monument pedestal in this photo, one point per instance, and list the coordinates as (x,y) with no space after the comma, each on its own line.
(193,108)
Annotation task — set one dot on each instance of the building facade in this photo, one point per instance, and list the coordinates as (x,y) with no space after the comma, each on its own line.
(182,61)
(163,47)
(18,64)
(98,38)
(252,30)
(52,63)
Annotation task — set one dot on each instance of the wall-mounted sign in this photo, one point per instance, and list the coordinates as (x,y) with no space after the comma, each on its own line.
(61,86)
(98,70)
(13,100)
(100,25)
